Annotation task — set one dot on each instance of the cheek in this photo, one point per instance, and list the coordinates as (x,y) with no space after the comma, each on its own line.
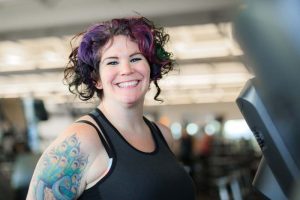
(146,70)
(106,76)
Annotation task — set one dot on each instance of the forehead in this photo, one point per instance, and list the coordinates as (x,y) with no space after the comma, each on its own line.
(119,44)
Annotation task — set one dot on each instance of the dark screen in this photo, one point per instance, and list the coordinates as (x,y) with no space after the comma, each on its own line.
(268,31)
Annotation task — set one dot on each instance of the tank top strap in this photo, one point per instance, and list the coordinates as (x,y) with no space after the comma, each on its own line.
(103,133)
(101,136)
(158,134)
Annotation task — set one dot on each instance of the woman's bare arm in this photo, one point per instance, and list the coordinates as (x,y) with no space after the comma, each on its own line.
(59,172)
(63,169)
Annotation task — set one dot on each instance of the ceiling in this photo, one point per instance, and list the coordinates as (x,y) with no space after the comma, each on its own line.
(33,18)
(35,35)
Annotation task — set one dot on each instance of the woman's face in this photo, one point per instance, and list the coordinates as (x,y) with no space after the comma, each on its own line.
(124,72)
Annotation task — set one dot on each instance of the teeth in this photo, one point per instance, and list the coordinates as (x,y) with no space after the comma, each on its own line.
(128,84)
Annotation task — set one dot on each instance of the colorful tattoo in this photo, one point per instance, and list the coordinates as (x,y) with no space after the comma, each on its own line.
(62,171)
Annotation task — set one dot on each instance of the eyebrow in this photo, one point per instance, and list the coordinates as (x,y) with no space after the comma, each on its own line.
(112,57)
(115,57)
(136,53)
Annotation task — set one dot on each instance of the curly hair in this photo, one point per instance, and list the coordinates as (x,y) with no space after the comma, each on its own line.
(82,71)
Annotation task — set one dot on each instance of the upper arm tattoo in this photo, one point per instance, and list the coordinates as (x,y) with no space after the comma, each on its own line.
(61,171)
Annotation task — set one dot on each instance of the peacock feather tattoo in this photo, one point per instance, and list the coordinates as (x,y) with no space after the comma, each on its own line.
(62,171)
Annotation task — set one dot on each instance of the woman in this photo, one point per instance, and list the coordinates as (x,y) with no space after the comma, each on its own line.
(114,152)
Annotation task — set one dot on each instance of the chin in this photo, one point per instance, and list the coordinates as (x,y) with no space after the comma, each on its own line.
(131,101)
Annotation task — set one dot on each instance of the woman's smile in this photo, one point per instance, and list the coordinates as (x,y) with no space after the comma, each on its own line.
(128,84)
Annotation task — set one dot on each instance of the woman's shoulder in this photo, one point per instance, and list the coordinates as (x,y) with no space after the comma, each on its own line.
(83,130)
(79,139)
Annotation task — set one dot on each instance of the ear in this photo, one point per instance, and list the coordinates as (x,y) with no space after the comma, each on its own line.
(99,85)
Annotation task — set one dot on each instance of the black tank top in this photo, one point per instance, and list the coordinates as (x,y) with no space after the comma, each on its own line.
(138,175)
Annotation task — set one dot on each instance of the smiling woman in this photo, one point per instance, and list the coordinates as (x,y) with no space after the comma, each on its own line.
(85,59)
(114,152)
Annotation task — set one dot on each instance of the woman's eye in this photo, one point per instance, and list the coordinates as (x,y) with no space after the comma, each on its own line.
(112,63)
(135,59)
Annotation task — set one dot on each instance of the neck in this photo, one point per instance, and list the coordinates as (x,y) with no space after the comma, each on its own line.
(124,118)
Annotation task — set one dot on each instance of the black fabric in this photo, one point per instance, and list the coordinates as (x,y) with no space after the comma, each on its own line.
(103,140)
(138,175)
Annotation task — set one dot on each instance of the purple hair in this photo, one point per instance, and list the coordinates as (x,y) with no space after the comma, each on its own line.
(82,71)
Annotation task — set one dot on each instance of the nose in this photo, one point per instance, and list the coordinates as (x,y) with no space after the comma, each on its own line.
(126,68)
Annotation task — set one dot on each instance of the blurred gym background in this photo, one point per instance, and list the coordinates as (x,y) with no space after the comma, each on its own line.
(212,140)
